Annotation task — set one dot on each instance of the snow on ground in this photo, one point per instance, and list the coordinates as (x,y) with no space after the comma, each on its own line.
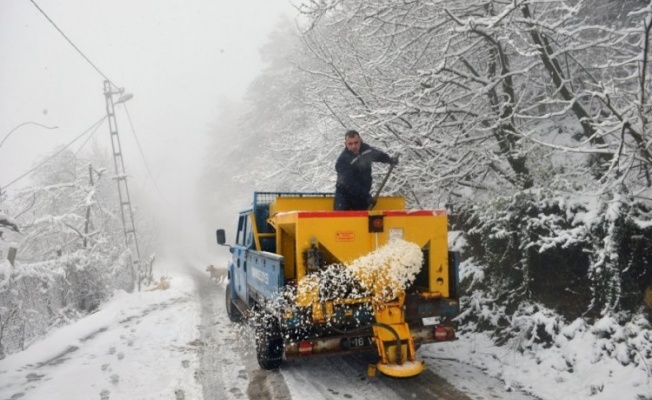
(145,346)
(541,374)
(137,346)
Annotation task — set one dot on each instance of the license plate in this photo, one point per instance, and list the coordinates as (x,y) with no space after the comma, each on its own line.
(427,321)
(357,342)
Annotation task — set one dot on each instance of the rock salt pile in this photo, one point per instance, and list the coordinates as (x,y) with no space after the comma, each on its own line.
(386,272)
(382,274)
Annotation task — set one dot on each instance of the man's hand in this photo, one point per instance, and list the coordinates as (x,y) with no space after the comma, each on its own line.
(393,160)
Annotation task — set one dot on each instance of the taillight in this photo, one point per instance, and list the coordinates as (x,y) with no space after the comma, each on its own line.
(305,347)
(441,333)
(376,223)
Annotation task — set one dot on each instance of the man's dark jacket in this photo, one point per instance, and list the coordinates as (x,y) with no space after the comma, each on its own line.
(354,176)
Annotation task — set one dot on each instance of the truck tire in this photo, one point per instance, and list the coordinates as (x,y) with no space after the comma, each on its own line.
(269,343)
(231,310)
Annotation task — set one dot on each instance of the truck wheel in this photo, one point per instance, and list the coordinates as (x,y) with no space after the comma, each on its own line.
(231,310)
(269,343)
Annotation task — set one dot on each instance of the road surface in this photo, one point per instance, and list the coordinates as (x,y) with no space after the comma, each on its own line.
(229,369)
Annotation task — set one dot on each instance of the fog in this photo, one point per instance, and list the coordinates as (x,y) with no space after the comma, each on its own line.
(179,59)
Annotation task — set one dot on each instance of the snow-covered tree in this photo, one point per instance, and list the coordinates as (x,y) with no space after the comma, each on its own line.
(70,256)
(475,94)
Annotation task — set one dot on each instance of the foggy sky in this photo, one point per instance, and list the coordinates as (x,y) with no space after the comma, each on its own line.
(178,59)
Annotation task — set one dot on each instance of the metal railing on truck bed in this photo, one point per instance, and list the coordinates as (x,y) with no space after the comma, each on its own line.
(264,234)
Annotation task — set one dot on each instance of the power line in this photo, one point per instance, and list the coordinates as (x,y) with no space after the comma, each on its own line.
(81,146)
(72,44)
(93,127)
(23,124)
(140,149)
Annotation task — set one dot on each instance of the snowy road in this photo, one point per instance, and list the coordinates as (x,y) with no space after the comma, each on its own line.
(229,369)
(178,344)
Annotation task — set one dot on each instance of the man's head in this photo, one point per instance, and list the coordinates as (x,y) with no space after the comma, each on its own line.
(352,141)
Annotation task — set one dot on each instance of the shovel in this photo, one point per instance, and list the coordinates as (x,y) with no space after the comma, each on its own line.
(380,188)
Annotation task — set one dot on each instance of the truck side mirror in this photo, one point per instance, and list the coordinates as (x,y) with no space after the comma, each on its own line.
(221,236)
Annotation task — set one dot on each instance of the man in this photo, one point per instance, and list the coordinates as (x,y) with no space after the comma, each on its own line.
(353,168)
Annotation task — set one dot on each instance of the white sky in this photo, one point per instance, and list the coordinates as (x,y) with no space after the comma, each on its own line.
(178,59)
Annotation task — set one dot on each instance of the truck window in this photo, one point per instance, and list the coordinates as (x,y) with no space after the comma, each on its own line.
(242,230)
(248,236)
(244,237)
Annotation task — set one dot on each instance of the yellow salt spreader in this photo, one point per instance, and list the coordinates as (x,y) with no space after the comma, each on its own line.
(315,282)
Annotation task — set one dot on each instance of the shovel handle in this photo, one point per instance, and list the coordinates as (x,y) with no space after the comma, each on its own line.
(382,185)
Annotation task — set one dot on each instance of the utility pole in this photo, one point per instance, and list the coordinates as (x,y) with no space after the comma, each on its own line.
(128,225)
